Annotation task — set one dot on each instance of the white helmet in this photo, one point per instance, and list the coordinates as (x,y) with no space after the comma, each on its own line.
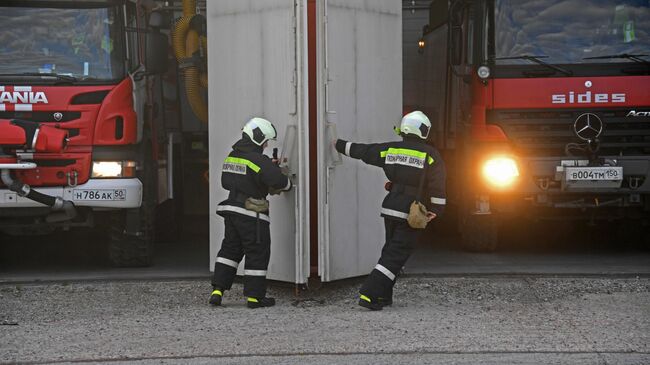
(259,130)
(415,123)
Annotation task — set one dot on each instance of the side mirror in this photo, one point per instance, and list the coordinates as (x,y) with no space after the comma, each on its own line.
(438,13)
(156,49)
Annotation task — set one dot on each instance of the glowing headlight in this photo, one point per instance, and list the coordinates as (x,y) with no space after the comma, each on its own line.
(500,171)
(113,169)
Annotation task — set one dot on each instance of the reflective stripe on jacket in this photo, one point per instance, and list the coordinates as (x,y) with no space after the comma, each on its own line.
(403,163)
(247,172)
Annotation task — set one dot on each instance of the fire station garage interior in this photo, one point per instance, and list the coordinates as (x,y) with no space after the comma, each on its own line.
(181,220)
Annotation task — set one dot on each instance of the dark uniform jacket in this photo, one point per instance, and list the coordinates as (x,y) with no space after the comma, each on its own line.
(246,172)
(403,163)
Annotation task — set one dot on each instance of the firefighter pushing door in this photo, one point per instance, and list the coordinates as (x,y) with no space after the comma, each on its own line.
(416,174)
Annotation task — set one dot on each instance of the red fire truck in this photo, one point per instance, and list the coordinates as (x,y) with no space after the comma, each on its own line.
(543,110)
(78,118)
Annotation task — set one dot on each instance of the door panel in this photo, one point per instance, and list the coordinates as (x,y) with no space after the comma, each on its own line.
(257,59)
(360,85)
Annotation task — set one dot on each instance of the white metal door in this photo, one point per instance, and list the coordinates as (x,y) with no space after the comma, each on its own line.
(257,67)
(360,97)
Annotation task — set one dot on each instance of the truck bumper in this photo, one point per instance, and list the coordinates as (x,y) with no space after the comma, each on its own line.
(540,175)
(96,193)
(540,186)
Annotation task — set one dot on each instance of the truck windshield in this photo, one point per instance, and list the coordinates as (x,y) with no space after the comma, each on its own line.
(571,31)
(81,44)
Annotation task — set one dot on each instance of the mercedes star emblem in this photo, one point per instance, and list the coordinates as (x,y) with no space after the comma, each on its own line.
(58,116)
(588,126)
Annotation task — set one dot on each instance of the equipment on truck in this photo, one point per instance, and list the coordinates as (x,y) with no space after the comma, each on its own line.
(541,122)
(190,47)
(19,135)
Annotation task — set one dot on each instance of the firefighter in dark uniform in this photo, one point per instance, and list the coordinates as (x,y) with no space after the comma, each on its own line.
(404,164)
(249,176)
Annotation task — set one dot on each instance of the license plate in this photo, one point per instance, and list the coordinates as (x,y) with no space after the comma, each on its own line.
(98,194)
(608,173)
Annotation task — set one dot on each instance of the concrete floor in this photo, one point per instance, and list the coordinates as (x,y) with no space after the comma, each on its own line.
(452,262)
(80,256)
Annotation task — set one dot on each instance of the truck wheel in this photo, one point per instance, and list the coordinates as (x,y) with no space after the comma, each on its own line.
(633,234)
(129,250)
(131,231)
(479,233)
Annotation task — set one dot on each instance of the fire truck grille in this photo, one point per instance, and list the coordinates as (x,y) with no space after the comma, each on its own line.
(41,117)
(546,133)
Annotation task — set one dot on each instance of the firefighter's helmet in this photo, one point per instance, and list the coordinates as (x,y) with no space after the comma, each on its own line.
(415,123)
(259,130)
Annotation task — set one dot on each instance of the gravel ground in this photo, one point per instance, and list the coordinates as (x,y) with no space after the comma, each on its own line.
(453,320)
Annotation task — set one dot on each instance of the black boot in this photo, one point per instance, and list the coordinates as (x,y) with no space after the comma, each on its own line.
(386,299)
(215,297)
(372,304)
(385,302)
(260,302)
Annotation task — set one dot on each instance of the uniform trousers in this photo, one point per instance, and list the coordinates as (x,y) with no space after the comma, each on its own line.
(400,242)
(249,237)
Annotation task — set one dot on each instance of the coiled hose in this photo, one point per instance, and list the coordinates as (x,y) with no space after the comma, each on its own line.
(64,209)
(187,42)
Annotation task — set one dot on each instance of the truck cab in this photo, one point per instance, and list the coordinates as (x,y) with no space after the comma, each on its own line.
(544,109)
(87,69)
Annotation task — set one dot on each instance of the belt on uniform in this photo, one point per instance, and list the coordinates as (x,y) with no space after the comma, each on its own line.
(244,198)
(404,189)
(238,196)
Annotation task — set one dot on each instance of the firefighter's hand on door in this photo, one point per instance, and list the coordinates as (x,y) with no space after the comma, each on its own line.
(279,161)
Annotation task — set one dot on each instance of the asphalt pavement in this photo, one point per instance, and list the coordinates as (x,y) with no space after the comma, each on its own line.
(448,320)
(566,300)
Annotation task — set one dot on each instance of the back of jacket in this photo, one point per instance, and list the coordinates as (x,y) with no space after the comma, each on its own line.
(404,164)
(248,173)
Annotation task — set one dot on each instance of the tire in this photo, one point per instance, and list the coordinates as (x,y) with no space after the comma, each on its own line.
(126,250)
(129,249)
(633,234)
(479,233)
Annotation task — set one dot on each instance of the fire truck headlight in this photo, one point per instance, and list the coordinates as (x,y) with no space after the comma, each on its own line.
(500,172)
(104,169)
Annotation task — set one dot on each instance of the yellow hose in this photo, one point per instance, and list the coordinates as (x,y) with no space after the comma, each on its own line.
(178,37)
(204,44)
(192,87)
(189,8)
(186,43)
